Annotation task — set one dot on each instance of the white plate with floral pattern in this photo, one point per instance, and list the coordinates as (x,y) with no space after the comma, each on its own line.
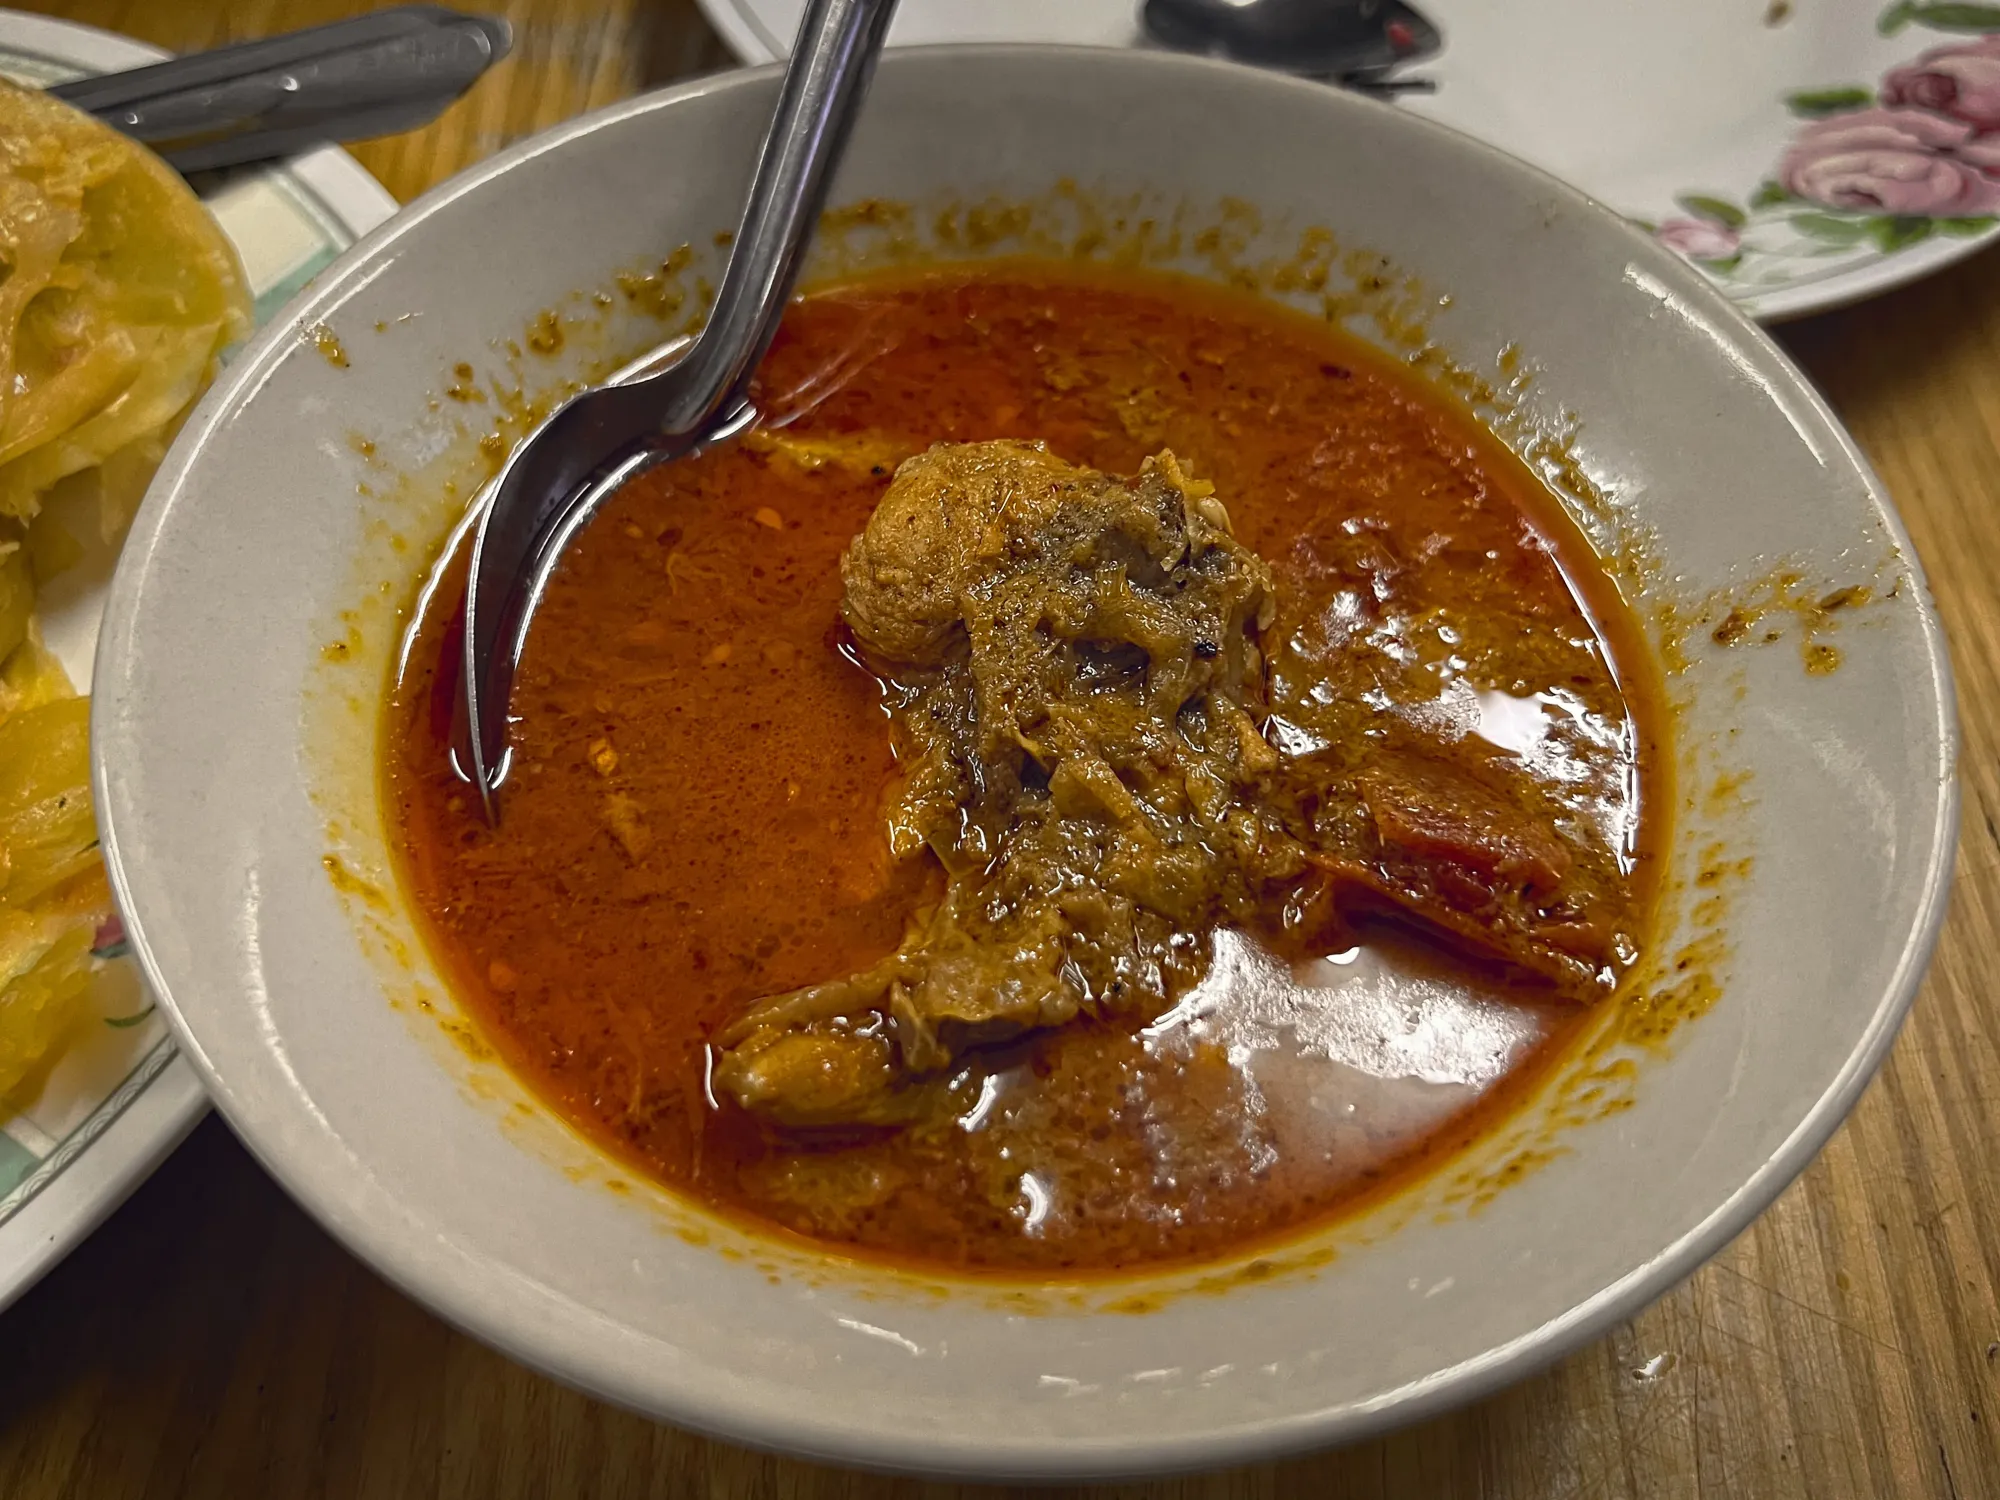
(1804,153)
(118,1097)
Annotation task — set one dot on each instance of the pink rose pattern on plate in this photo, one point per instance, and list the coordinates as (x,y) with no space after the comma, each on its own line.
(1890,167)
(1700,239)
(1961,81)
(1894,161)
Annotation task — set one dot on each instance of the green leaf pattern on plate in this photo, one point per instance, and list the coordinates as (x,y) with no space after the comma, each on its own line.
(1721,210)
(1870,172)
(1813,103)
(1939,17)
(1831,228)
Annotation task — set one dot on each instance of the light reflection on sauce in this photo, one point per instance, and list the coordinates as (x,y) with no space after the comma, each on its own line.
(1338,1065)
(1364,1035)
(1516,724)
(1038,1201)
(1357,1011)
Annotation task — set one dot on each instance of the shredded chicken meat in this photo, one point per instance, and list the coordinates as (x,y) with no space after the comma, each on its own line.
(1076,671)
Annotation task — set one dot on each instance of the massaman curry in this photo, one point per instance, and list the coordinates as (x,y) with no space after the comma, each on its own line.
(1109,771)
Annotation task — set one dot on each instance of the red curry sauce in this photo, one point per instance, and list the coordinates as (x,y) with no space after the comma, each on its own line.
(693,817)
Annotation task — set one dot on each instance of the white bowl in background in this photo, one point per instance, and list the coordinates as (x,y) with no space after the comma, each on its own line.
(303,501)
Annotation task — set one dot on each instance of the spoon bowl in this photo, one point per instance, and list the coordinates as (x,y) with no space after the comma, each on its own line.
(1353,41)
(562,471)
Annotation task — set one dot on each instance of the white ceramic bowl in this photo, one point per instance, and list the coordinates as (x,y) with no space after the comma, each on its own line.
(255,613)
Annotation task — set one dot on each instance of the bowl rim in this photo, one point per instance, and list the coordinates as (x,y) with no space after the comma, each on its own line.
(428,1273)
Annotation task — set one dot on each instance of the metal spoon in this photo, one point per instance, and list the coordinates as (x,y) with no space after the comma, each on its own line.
(566,467)
(372,75)
(1352,42)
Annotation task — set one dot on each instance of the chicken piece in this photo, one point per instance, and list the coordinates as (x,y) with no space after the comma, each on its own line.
(797,1077)
(867,452)
(1472,859)
(1427,813)
(1075,661)
(939,531)
(1055,622)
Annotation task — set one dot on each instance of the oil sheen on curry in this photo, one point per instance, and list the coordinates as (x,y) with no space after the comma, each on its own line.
(1111,772)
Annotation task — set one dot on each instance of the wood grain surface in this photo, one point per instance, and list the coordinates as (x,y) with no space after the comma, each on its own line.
(211,1341)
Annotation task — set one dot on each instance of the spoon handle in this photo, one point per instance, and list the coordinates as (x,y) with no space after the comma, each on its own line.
(381,73)
(832,60)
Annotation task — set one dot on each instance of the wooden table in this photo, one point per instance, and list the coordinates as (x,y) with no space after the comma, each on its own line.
(210,1340)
